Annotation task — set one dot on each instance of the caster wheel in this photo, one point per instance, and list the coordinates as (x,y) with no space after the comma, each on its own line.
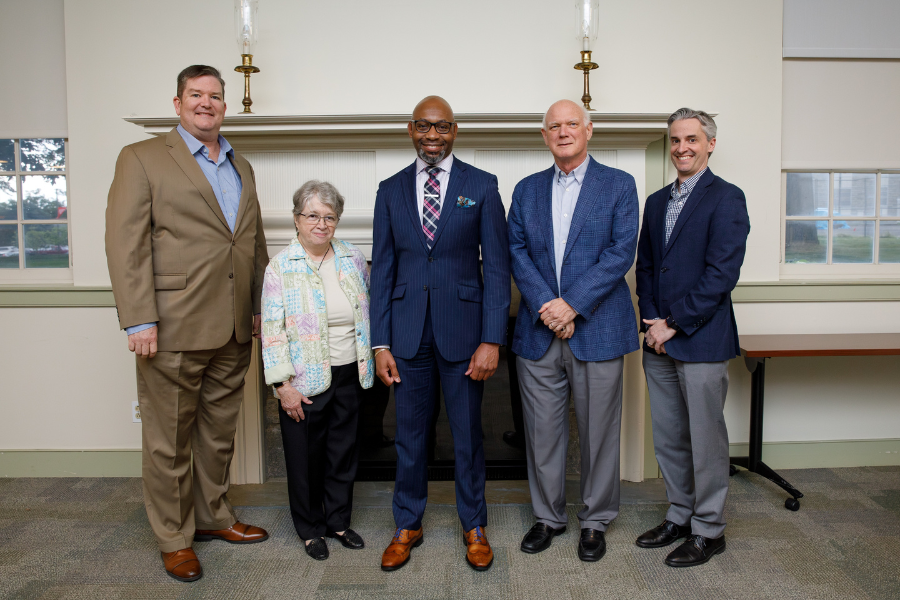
(792,504)
(732,470)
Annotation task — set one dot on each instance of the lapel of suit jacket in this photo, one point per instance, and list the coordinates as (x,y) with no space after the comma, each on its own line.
(409,199)
(544,206)
(243,169)
(458,175)
(591,189)
(178,150)
(692,202)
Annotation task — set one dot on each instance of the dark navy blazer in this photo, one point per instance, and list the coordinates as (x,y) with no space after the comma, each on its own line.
(599,252)
(692,278)
(466,307)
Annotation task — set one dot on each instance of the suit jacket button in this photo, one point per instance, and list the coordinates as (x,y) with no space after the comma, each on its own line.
(664,269)
(231,276)
(430,259)
(425,288)
(233,243)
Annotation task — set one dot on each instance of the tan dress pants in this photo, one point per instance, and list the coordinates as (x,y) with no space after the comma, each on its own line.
(189,405)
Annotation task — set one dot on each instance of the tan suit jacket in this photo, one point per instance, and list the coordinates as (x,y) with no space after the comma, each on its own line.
(172,257)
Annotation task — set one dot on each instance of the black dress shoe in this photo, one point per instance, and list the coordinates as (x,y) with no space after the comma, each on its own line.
(514,439)
(348,539)
(663,534)
(317,549)
(695,551)
(592,545)
(539,537)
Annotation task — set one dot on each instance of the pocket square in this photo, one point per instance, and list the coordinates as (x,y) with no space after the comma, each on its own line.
(464,202)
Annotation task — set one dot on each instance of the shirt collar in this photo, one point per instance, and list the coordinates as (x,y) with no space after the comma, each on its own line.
(195,145)
(578,171)
(445,164)
(687,186)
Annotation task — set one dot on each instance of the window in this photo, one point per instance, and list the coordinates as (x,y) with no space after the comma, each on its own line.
(842,218)
(34,216)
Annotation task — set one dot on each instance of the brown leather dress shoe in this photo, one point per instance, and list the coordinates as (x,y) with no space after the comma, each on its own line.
(478,551)
(397,553)
(239,533)
(182,565)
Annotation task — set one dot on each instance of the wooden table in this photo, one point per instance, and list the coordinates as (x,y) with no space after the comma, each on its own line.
(757,348)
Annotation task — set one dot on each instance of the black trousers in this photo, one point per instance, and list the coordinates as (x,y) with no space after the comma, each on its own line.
(321,456)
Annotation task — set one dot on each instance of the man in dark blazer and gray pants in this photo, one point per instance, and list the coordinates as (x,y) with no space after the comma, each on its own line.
(690,253)
(572,233)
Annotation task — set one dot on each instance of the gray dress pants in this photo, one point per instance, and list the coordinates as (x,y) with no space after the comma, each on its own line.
(690,438)
(597,391)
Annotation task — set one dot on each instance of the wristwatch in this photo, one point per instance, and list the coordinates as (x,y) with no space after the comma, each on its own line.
(279,384)
(670,321)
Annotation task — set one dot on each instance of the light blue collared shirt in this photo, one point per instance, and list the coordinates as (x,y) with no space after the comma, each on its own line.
(222,176)
(566,189)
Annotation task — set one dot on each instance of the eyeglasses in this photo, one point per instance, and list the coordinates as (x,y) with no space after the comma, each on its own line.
(313,219)
(442,127)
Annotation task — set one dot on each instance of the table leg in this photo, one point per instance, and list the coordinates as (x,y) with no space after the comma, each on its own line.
(753,462)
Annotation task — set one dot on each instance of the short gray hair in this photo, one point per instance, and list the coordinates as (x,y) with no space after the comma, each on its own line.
(585,115)
(707,124)
(326,193)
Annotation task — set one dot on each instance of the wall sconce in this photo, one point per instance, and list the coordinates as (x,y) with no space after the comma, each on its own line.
(587,26)
(246,25)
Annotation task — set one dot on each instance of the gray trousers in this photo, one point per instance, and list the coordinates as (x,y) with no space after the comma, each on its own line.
(597,391)
(690,438)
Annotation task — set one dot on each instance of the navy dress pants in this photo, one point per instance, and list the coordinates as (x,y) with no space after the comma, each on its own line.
(414,398)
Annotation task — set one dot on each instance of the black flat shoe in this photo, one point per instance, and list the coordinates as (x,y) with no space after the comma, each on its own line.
(662,535)
(317,549)
(539,537)
(695,551)
(592,545)
(348,539)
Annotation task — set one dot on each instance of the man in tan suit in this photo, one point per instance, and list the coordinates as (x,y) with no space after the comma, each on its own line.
(186,254)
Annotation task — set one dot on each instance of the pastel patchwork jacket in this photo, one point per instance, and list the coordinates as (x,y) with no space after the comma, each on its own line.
(295,320)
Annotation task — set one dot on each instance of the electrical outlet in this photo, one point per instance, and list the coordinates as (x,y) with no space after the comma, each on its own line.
(135,412)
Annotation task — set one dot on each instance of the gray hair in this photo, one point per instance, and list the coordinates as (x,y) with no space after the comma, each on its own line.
(585,115)
(707,124)
(326,193)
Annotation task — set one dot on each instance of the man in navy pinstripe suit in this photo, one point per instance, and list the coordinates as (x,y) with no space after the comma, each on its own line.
(436,317)
(572,234)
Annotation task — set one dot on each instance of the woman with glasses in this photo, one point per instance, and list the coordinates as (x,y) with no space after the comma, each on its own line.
(317,355)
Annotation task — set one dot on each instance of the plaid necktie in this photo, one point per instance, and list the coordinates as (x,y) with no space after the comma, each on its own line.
(431,207)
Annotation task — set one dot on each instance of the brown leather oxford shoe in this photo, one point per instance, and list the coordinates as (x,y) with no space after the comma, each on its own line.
(397,553)
(478,551)
(239,533)
(182,565)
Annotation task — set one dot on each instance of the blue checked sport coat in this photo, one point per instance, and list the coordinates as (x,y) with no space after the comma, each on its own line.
(468,307)
(599,252)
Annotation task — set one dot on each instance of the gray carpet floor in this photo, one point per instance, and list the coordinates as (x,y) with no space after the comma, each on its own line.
(89,538)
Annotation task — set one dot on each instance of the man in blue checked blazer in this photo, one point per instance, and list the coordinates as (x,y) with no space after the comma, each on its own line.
(689,259)
(438,316)
(572,235)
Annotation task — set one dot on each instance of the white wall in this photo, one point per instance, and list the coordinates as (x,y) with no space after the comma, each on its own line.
(841,29)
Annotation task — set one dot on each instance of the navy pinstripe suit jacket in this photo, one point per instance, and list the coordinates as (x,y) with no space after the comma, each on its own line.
(599,252)
(466,307)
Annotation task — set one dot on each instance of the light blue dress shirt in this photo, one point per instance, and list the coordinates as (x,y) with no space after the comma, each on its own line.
(565,196)
(222,176)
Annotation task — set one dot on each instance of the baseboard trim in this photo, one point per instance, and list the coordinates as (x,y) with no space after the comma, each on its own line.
(826,454)
(70,463)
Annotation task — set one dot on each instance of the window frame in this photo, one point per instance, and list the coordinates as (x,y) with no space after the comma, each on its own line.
(37,275)
(830,270)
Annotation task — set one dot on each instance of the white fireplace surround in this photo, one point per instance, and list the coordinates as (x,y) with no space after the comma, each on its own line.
(355,152)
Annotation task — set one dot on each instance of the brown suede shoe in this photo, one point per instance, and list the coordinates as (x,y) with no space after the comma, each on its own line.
(478,551)
(239,533)
(397,553)
(182,565)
